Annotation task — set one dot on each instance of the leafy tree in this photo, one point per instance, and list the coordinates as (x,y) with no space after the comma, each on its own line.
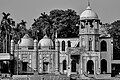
(65,22)
(40,26)
(61,21)
(19,31)
(114,30)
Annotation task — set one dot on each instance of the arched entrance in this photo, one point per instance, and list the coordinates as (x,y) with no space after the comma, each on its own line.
(90,67)
(103,66)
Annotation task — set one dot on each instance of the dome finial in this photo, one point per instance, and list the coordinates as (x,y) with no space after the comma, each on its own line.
(88,2)
(88,6)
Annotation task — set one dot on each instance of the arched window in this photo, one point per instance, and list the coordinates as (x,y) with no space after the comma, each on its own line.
(90,44)
(90,67)
(69,44)
(103,66)
(64,64)
(73,66)
(63,45)
(103,45)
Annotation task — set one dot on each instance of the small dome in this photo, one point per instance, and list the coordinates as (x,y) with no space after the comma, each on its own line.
(26,41)
(45,42)
(88,14)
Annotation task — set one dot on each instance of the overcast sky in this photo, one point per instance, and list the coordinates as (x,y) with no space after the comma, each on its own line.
(107,10)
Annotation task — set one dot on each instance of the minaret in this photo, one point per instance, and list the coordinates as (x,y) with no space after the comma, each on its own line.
(57,47)
(89,29)
(35,57)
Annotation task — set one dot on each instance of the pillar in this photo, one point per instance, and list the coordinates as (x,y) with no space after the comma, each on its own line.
(40,63)
(12,52)
(93,44)
(79,65)
(69,65)
(94,60)
(57,57)
(12,47)
(35,56)
(81,69)
(85,64)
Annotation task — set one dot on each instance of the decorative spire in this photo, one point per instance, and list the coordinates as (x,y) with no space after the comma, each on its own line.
(88,2)
(88,7)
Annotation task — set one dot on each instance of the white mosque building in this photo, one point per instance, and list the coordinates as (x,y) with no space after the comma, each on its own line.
(89,55)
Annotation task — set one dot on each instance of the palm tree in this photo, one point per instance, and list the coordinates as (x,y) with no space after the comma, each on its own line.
(6,26)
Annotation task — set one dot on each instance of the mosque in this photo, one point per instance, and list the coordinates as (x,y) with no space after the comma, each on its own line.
(89,55)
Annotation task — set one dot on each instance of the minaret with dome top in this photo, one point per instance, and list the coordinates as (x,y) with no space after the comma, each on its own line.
(89,29)
(89,41)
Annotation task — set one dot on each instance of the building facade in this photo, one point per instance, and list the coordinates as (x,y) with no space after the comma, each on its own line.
(89,55)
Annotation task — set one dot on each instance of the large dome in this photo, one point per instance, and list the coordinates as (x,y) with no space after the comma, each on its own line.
(45,42)
(26,41)
(88,14)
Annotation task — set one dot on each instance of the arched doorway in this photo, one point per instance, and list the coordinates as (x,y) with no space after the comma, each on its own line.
(73,65)
(90,67)
(103,66)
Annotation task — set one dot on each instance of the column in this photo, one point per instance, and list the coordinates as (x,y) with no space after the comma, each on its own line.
(85,66)
(35,56)
(12,47)
(94,65)
(57,57)
(61,66)
(99,63)
(80,65)
(50,63)
(87,43)
(97,66)
(8,64)
(56,63)
(40,63)
(69,65)
(80,43)
(93,43)
(0,67)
